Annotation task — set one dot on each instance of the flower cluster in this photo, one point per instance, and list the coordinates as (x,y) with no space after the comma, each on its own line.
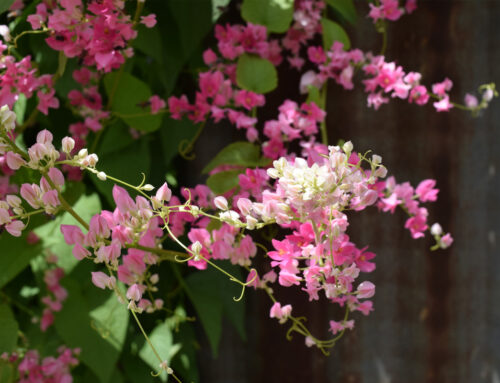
(32,369)
(384,79)
(56,293)
(390,10)
(21,77)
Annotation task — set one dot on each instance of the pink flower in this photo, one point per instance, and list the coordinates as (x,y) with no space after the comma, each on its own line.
(281,313)
(446,241)
(149,20)
(441,88)
(46,101)
(316,55)
(419,95)
(248,99)
(134,293)
(366,289)
(391,10)
(15,228)
(417,224)
(470,101)
(14,160)
(209,57)
(443,105)
(426,192)
(156,104)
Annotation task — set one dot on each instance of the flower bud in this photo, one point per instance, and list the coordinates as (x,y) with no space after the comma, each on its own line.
(100,279)
(220,203)
(134,293)
(366,289)
(15,228)
(147,187)
(245,205)
(14,160)
(92,160)
(68,144)
(83,153)
(347,147)
(102,176)
(376,159)
(436,229)
(7,118)
(44,137)
(164,193)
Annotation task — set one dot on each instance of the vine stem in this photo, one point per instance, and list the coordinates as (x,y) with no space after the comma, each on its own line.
(66,206)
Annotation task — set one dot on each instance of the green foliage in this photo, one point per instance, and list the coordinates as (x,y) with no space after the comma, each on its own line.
(15,255)
(313,95)
(98,331)
(256,74)
(7,372)
(212,295)
(129,97)
(346,9)
(184,361)
(8,329)
(162,339)
(222,182)
(149,42)
(20,108)
(5,5)
(239,153)
(334,32)
(276,15)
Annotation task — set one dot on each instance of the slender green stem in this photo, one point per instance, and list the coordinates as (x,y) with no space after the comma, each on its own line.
(66,206)
(166,255)
(384,40)
(24,33)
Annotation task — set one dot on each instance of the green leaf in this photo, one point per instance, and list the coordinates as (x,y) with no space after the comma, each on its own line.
(15,255)
(212,295)
(149,42)
(194,20)
(276,15)
(185,360)
(126,164)
(20,108)
(78,329)
(218,7)
(5,5)
(111,319)
(313,95)
(238,153)
(7,372)
(346,9)
(203,291)
(222,182)
(116,137)
(256,74)
(51,235)
(162,339)
(128,93)
(8,329)
(334,32)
